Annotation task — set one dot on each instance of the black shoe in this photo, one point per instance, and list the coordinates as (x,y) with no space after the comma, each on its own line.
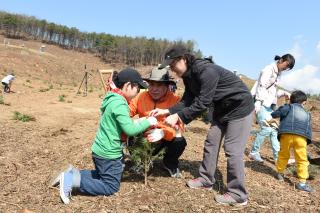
(175,173)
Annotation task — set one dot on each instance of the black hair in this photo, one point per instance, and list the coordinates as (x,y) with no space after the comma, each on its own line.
(115,79)
(287,57)
(188,57)
(298,96)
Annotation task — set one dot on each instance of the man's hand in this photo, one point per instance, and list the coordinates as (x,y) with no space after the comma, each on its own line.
(157,112)
(172,120)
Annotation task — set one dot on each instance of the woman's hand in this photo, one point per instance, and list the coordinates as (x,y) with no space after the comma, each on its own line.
(157,112)
(172,120)
(257,106)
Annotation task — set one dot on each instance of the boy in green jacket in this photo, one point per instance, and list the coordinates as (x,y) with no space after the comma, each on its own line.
(115,126)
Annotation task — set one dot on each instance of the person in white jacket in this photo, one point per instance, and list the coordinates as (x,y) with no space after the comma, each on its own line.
(7,82)
(266,93)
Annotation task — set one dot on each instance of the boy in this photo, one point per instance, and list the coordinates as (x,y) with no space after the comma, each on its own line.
(115,125)
(295,131)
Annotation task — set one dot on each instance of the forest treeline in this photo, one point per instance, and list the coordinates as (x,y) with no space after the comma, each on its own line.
(111,48)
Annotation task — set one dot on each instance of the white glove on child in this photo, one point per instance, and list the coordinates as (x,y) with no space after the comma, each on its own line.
(154,135)
(153,121)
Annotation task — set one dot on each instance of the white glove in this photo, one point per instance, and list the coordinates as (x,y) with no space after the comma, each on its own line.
(257,106)
(153,121)
(154,135)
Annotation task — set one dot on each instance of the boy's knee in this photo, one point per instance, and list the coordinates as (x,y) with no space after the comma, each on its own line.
(111,189)
(116,189)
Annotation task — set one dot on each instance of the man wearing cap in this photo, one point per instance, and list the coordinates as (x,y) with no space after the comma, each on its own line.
(207,85)
(159,96)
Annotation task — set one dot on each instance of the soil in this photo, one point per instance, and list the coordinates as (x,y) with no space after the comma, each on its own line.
(32,152)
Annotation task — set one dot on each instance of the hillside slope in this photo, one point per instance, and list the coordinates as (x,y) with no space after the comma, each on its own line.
(65,125)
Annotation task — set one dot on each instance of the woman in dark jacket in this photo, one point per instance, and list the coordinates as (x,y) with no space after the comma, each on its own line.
(209,85)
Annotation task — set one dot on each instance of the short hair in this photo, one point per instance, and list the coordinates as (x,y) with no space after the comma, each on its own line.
(298,96)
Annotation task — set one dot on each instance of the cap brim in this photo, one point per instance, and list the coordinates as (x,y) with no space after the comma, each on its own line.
(165,63)
(157,80)
(143,85)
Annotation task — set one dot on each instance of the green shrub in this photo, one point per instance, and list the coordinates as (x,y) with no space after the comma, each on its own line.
(62,98)
(23,117)
(141,153)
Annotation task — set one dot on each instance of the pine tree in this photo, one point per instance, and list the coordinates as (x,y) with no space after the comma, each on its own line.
(141,152)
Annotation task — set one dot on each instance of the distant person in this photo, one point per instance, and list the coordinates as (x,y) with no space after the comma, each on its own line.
(7,82)
(206,85)
(115,125)
(266,94)
(295,132)
(173,85)
(159,96)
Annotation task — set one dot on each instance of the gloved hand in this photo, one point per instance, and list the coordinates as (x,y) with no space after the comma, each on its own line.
(257,106)
(154,135)
(153,121)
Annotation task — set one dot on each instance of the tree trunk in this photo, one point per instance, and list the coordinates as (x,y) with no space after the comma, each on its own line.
(145,171)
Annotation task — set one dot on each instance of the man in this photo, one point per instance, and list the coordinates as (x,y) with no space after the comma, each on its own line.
(159,96)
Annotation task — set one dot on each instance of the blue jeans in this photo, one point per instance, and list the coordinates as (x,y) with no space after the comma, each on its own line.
(104,180)
(266,132)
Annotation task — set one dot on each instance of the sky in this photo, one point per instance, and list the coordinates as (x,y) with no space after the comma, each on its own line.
(240,35)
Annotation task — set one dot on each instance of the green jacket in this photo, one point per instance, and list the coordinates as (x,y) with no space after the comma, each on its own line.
(114,121)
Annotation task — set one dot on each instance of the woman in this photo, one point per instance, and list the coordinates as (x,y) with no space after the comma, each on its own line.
(207,85)
(266,93)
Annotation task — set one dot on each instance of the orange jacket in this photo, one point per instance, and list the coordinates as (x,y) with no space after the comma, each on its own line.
(143,103)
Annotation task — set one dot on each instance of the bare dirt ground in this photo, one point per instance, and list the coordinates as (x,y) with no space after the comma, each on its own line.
(31,152)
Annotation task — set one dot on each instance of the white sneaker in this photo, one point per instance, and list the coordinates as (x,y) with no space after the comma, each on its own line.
(256,157)
(65,188)
(56,180)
